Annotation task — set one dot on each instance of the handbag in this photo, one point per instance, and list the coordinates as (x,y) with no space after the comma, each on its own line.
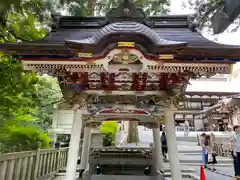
(210,158)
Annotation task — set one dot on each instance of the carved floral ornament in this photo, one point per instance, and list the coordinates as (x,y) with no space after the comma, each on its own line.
(125,57)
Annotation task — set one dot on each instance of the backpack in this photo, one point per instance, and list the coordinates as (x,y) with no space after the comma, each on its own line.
(164,141)
(207,140)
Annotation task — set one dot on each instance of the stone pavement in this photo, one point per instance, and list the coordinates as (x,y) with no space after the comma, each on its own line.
(145,135)
(189,155)
(190,166)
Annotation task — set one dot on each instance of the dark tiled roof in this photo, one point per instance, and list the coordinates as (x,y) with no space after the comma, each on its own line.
(127,27)
(174,33)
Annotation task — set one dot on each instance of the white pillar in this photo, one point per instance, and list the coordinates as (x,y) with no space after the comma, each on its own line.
(85,148)
(157,147)
(74,145)
(172,144)
(54,126)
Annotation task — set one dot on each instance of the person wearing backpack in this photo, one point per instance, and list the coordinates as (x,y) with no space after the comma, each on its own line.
(164,145)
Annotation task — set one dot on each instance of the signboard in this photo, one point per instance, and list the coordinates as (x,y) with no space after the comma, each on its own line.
(86,55)
(126,44)
(166,56)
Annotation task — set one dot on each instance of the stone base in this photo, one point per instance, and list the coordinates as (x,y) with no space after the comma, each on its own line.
(185,176)
(127,177)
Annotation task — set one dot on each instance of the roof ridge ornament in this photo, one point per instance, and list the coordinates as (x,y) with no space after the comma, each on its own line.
(126,11)
(56,17)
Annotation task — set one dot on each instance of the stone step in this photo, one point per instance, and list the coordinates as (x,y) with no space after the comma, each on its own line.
(185,176)
(198,164)
(198,161)
(189,151)
(166,169)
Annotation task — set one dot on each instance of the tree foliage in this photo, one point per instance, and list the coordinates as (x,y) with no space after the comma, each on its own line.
(23,113)
(24,96)
(23,138)
(109,130)
(206,9)
(41,8)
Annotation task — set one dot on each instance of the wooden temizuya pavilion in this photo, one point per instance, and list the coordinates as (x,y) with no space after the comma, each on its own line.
(124,66)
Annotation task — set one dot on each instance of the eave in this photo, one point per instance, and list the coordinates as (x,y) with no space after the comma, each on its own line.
(35,49)
(145,64)
(201,93)
(60,51)
(226,51)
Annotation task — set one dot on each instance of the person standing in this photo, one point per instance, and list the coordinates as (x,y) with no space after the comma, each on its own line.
(202,140)
(210,150)
(164,145)
(214,127)
(235,147)
(207,148)
(186,128)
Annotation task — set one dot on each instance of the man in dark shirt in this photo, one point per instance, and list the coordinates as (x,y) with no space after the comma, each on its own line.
(164,145)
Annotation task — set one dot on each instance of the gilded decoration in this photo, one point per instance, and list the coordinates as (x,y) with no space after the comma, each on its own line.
(91,121)
(85,55)
(126,44)
(73,99)
(125,57)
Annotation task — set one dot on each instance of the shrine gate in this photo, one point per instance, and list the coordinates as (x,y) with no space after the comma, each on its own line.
(124,66)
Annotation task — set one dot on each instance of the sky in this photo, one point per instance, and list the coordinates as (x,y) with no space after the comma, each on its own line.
(224,38)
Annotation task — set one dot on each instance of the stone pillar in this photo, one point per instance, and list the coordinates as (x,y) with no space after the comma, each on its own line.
(85,148)
(157,148)
(133,132)
(74,144)
(172,144)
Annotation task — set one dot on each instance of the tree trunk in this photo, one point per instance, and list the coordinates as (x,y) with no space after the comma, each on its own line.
(91,7)
(133,132)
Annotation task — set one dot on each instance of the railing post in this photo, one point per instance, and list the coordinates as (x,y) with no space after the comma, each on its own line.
(35,175)
(58,158)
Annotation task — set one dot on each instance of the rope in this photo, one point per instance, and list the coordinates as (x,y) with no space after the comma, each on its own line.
(223,174)
(221,150)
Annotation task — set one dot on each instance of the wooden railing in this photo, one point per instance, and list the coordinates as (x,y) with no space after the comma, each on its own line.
(32,165)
